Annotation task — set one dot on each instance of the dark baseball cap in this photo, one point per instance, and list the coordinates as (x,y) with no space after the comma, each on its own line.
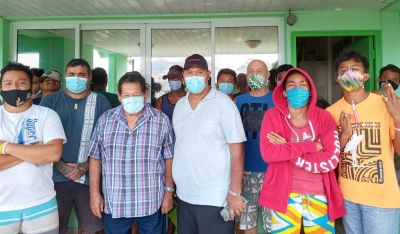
(196,60)
(172,74)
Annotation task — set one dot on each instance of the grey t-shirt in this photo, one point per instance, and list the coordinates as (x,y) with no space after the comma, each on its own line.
(72,121)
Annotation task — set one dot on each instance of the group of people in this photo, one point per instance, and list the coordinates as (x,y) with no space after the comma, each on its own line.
(270,151)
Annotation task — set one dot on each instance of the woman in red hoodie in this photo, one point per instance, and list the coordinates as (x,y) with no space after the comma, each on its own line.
(301,144)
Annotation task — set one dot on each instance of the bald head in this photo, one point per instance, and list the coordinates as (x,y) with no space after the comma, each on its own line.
(257,67)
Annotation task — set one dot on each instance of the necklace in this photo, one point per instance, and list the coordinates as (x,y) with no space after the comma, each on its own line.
(77,100)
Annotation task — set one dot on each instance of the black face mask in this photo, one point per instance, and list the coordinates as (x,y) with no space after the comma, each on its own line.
(391,82)
(16,97)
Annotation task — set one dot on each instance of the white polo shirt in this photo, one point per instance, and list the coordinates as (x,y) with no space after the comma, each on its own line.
(202,160)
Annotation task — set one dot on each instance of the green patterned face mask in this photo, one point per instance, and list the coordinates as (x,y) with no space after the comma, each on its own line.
(256,82)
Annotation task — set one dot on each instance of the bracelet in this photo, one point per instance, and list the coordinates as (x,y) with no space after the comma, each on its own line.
(397,129)
(233,193)
(2,147)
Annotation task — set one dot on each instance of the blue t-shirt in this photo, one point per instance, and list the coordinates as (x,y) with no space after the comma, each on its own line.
(252,110)
(37,101)
(72,122)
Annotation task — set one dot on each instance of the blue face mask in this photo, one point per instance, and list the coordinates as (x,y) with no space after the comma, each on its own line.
(226,88)
(76,84)
(133,105)
(175,85)
(297,97)
(37,94)
(278,82)
(195,84)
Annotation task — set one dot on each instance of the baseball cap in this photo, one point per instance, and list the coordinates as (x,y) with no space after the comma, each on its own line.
(196,60)
(53,74)
(172,74)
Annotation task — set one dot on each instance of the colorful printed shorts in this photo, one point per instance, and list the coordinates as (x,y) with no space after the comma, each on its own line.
(311,209)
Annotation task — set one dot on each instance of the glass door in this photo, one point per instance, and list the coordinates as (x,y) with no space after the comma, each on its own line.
(170,45)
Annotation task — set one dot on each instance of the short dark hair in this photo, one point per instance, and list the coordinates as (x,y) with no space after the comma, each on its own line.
(390,67)
(241,79)
(272,78)
(347,55)
(37,72)
(99,76)
(132,78)
(292,72)
(14,66)
(79,62)
(283,68)
(228,72)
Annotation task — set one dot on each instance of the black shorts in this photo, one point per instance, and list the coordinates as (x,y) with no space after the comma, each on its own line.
(201,219)
(71,194)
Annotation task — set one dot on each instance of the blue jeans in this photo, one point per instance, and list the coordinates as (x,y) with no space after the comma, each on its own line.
(362,219)
(152,224)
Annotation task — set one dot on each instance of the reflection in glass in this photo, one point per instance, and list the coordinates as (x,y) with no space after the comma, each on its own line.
(236,47)
(46,48)
(117,51)
(173,46)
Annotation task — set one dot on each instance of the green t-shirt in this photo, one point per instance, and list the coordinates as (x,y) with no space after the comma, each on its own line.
(111,97)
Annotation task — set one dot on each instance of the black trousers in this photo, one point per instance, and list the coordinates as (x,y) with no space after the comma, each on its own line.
(201,219)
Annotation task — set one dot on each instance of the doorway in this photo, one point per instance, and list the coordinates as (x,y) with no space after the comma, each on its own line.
(315,52)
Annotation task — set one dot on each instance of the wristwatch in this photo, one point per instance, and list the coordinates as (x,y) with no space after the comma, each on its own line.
(233,193)
(169,189)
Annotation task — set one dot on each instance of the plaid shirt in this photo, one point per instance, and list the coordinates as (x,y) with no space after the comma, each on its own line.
(132,160)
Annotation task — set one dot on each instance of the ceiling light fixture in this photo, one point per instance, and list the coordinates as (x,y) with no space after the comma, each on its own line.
(253,43)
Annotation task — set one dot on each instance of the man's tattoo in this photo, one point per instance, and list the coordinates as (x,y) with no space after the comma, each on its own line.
(63,167)
(83,167)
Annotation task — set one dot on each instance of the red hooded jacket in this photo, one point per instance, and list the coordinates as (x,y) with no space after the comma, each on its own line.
(283,157)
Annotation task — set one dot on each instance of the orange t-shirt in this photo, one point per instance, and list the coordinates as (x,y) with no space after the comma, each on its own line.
(366,168)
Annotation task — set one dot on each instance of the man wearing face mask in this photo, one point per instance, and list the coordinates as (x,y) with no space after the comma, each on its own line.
(36,89)
(79,110)
(208,160)
(226,80)
(131,150)
(252,107)
(31,139)
(166,103)
(388,75)
(369,127)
